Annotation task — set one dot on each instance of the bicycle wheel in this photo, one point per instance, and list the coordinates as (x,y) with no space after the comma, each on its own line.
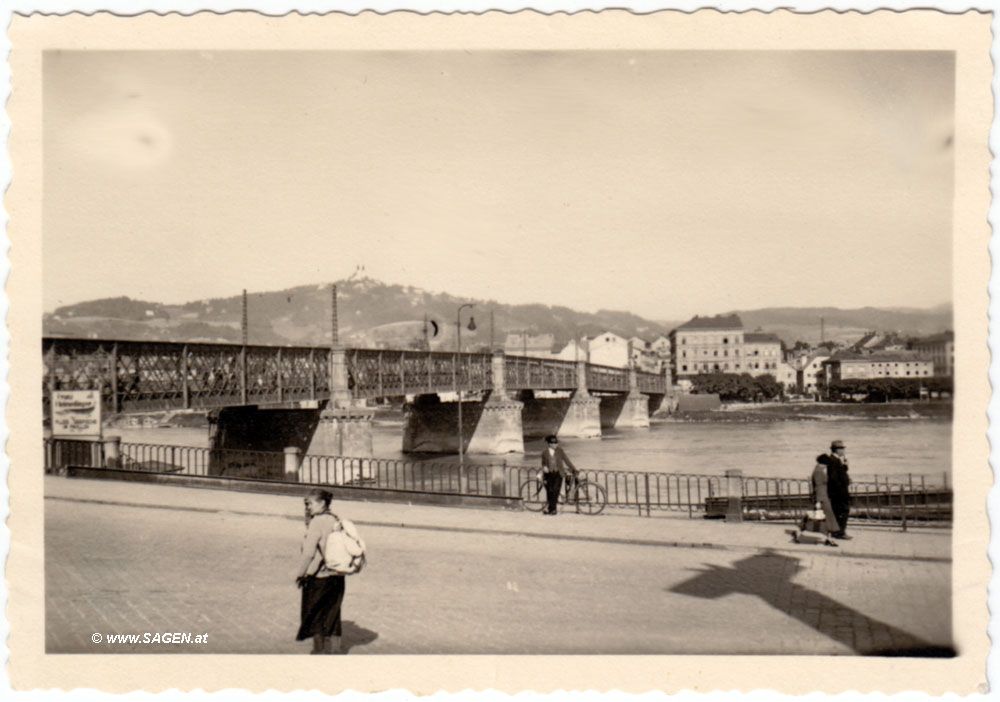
(590,498)
(532,493)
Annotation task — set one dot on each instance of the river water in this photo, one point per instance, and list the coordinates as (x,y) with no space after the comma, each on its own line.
(777,449)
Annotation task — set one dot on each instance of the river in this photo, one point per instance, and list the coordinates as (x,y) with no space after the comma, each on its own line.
(774,449)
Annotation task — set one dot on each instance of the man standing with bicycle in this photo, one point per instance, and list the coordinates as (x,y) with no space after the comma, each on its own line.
(555,466)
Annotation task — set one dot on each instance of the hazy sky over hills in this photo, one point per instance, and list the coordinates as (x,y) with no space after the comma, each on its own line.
(664,183)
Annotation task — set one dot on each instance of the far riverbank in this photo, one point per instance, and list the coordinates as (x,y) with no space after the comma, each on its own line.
(818,411)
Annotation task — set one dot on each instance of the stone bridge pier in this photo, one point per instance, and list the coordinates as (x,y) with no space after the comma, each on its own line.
(490,425)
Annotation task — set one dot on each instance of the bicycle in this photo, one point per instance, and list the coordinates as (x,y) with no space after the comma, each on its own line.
(588,497)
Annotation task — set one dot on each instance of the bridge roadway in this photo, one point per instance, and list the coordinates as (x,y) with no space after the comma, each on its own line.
(138,376)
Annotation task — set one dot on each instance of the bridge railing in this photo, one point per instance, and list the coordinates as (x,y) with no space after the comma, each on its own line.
(525,373)
(652,383)
(607,378)
(138,376)
(386,373)
(151,375)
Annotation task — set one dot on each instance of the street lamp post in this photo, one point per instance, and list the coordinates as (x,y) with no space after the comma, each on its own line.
(458,391)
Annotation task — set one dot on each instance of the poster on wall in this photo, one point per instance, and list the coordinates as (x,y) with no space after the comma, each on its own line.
(76,413)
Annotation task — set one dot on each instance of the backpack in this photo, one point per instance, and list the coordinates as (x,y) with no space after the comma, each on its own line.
(344,551)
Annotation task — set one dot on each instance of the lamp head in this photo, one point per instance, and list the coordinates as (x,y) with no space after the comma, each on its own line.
(472,324)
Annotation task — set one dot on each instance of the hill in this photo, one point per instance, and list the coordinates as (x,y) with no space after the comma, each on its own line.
(373,313)
(369,313)
(792,324)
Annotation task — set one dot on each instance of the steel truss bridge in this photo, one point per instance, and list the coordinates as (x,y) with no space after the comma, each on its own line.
(138,376)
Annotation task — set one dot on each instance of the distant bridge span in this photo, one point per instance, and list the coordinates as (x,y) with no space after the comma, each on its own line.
(139,376)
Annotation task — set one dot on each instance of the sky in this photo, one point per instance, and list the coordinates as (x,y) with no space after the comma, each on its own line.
(665,183)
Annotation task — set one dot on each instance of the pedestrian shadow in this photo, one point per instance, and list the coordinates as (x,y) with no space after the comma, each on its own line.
(769,576)
(353,635)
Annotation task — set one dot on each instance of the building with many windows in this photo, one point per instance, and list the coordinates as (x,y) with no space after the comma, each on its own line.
(708,345)
(853,366)
(940,349)
(761,353)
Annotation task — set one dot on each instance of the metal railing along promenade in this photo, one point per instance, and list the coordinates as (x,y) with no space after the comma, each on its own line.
(912,499)
(909,499)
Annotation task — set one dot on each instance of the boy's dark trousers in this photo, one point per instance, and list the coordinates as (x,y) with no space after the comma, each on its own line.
(553,484)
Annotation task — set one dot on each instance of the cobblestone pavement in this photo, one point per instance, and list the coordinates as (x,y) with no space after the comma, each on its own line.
(120,569)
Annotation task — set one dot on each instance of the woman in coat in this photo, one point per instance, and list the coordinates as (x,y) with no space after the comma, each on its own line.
(322,589)
(821,496)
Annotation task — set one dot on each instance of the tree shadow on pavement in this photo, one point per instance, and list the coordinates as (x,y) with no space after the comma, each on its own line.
(354,635)
(769,576)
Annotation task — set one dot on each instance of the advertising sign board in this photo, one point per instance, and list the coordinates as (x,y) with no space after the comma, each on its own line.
(76,413)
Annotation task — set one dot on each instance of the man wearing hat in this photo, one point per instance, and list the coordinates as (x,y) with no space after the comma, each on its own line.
(555,466)
(837,484)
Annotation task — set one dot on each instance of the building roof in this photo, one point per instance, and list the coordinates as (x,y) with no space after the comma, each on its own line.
(852,357)
(730,321)
(935,338)
(760,338)
(595,337)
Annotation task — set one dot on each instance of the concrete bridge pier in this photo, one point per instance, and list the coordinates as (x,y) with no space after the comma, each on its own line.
(583,415)
(344,432)
(499,427)
(345,424)
(492,426)
(634,413)
(661,405)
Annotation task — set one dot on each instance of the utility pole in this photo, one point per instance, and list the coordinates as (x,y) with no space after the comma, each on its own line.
(244,324)
(243,351)
(334,323)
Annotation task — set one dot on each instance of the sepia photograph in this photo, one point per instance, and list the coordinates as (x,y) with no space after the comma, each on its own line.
(500,351)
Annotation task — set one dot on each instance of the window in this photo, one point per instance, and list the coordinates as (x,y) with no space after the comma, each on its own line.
(725,340)
(684,354)
(684,368)
(715,353)
(725,352)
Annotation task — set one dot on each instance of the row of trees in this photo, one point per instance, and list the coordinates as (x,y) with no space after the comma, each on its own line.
(743,387)
(885,389)
(738,387)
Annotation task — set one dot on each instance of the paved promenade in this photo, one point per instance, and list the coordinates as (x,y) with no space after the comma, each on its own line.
(136,558)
